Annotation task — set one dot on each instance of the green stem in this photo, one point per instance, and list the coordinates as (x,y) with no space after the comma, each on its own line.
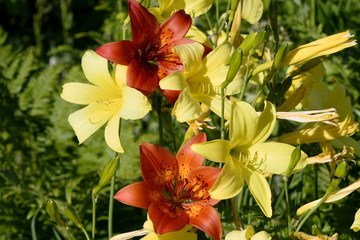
(33,221)
(93,197)
(287,203)
(222,123)
(111,208)
(86,234)
(312,13)
(239,225)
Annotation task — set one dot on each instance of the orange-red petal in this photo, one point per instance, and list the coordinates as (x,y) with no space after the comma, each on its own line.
(165,218)
(187,159)
(205,218)
(136,194)
(202,179)
(170,95)
(175,27)
(142,77)
(158,165)
(144,26)
(121,52)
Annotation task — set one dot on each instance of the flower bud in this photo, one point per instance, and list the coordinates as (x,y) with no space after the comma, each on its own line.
(234,5)
(53,211)
(71,214)
(295,158)
(246,44)
(108,172)
(280,55)
(339,174)
(235,63)
(260,38)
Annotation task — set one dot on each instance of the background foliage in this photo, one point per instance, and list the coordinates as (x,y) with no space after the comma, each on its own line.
(41,44)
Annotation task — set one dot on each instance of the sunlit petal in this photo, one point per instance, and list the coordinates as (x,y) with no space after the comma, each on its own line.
(229,182)
(186,107)
(191,56)
(197,7)
(175,26)
(202,179)
(135,105)
(112,137)
(275,157)
(120,52)
(240,235)
(215,150)
(260,190)
(174,81)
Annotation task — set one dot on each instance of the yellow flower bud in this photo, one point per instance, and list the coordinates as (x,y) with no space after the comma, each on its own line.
(235,63)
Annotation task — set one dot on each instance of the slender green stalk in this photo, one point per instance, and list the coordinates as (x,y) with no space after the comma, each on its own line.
(111,208)
(287,204)
(312,13)
(239,225)
(93,197)
(33,222)
(86,234)
(222,123)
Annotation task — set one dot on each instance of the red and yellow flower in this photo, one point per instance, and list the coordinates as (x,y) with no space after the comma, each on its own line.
(175,189)
(149,55)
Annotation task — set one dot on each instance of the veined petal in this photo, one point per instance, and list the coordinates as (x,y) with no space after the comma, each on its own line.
(144,26)
(205,218)
(186,158)
(120,75)
(135,105)
(215,150)
(178,235)
(215,104)
(186,107)
(196,34)
(121,52)
(82,93)
(112,137)
(191,57)
(88,120)
(197,7)
(96,71)
(175,27)
(168,6)
(165,220)
(260,190)
(174,81)
(229,183)
(241,235)
(333,197)
(202,179)
(158,165)
(136,194)
(143,78)
(275,157)
(252,10)
(243,125)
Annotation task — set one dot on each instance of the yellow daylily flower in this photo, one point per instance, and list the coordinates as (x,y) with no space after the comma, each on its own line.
(320,47)
(194,8)
(356,224)
(247,234)
(247,156)
(201,80)
(108,99)
(333,197)
(150,234)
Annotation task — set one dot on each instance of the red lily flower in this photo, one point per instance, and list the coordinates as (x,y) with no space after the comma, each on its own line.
(149,55)
(175,189)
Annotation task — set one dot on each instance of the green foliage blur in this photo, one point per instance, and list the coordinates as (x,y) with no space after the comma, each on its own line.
(41,45)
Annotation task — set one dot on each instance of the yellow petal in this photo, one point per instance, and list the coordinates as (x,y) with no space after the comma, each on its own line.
(191,56)
(252,10)
(112,137)
(196,8)
(261,236)
(96,71)
(215,104)
(89,119)
(243,125)
(196,34)
(218,57)
(81,93)
(240,235)
(356,224)
(174,81)
(266,123)
(260,190)
(333,197)
(135,105)
(275,157)
(186,107)
(120,75)
(216,150)
(229,183)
